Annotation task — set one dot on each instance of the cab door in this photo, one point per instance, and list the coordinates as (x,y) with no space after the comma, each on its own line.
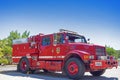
(59,46)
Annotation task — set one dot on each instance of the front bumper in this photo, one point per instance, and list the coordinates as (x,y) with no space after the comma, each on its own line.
(103,64)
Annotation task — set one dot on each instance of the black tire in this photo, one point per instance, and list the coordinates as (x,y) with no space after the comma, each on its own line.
(69,68)
(32,71)
(18,67)
(45,70)
(98,73)
(25,65)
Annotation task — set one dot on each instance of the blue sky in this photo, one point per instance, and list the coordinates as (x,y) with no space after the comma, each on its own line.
(98,20)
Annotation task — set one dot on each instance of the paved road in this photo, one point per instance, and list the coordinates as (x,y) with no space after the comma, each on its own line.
(9,73)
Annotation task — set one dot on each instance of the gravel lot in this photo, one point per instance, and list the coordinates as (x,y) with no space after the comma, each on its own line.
(9,73)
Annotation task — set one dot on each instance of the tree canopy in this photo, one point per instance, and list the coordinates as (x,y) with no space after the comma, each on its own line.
(6,45)
(111,51)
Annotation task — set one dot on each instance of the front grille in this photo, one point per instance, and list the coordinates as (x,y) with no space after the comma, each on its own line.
(100,51)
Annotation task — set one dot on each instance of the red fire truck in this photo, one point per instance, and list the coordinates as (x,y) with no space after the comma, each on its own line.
(65,51)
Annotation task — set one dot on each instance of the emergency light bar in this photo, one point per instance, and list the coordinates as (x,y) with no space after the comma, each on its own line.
(68,31)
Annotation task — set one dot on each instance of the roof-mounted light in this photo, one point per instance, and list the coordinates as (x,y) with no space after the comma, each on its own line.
(68,31)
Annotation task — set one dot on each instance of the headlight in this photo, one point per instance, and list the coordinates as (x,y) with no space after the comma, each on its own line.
(91,57)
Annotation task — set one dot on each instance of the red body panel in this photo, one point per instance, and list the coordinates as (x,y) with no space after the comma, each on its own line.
(53,56)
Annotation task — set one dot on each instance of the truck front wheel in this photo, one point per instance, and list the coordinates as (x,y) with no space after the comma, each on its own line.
(98,73)
(74,68)
(23,65)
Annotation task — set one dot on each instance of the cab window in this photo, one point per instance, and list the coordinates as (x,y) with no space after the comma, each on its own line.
(45,41)
(72,38)
(59,39)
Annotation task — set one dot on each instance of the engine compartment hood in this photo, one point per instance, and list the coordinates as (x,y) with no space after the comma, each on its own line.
(86,45)
(90,48)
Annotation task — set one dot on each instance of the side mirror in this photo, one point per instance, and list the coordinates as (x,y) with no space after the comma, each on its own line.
(88,40)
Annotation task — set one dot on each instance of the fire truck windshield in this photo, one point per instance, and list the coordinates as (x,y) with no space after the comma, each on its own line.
(73,38)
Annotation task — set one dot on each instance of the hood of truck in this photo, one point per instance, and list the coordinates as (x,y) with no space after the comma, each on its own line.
(85,45)
(93,49)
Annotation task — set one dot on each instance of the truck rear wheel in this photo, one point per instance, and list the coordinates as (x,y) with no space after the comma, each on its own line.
(74,68)
(23,65)
(45,70)
(98,73)
(18,67)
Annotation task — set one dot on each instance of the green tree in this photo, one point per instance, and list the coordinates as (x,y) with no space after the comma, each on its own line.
(25,34)
(111,51)
(118,52)
(13,35)
(6,45)
(1,54)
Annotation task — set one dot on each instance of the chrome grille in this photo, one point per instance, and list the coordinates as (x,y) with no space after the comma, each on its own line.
(100,51)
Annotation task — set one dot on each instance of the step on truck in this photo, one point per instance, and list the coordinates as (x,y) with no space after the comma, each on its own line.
(65,51)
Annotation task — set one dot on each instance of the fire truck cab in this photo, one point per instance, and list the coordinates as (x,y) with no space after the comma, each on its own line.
(65,51)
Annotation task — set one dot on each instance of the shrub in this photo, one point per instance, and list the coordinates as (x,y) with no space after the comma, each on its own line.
(3,61)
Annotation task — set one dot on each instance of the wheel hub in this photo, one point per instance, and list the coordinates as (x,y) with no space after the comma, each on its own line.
(73,68)
(23,66)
